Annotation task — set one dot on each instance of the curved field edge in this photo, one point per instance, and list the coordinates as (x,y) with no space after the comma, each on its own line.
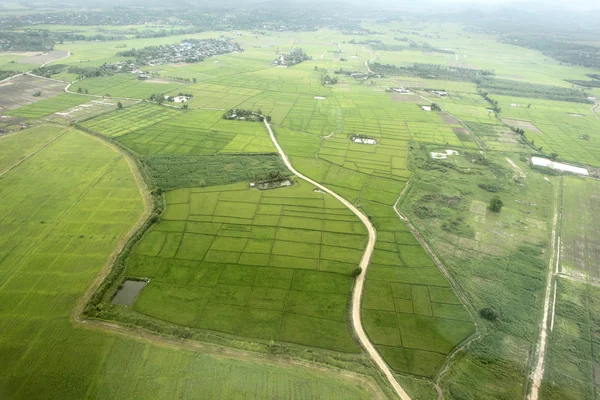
(40,282)
(233,347)
(379,206)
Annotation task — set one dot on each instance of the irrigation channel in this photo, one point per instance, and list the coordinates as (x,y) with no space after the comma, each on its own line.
(360,280)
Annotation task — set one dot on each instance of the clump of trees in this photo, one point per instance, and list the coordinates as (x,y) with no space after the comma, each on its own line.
(293,57)
(493,102)
(507,87)
(432,71)
(489,313)
(567,52)
(246,115)
(436,107)
(327,80)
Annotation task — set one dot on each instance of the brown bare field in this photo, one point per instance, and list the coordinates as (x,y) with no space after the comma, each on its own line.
(447,118)
(405,98)
(515,123)
(19,91)
(42,58)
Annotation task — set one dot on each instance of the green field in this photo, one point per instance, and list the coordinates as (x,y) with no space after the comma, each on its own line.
(270,265)
(498,260)
(268,274)
(46,107)
(578,232)
(16,147)
(125,85)
(572,355)
(57,231)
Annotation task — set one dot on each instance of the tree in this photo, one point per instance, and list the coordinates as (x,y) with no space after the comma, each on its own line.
(193,80)
(268,117)
(119,105)
(185,106)
(86,91)
(489,314)
(436,107)
(79,90)
(496,204)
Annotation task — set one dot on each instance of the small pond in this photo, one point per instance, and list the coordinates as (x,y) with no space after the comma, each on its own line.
(128,292)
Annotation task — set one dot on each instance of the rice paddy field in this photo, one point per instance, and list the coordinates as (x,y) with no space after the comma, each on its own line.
(47,107)
(79,199)
(274,269)
(272,265)
(578,235)
(497,260)
(17,146)
(572,359)
(125,85)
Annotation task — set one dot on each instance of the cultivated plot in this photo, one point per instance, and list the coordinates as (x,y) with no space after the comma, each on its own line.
(579,231)
(264,265)
(62,213)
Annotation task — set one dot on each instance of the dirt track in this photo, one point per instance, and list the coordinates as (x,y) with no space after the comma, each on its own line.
(538,372)
(360,280)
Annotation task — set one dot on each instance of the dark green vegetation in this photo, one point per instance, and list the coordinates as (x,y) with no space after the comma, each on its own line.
(431,71)
(495,203)
(594,83)
(292,57)
(562,50)
(507,87)
(172,172)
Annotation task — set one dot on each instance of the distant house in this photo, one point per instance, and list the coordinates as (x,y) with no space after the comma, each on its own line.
(439,93)
(400,90)
(143,77)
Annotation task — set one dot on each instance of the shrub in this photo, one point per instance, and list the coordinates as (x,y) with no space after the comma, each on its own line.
(496,204)
(356,272)
(490,188)
(489,314)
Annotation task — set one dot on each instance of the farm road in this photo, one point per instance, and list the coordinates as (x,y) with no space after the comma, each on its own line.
(360,280)
(538,372)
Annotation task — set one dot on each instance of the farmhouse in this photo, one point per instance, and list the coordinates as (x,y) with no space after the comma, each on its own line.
(439,93)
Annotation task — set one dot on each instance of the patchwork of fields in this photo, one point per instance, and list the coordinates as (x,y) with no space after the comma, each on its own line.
(149,129)
(276,268)
(61,213)
(267,265)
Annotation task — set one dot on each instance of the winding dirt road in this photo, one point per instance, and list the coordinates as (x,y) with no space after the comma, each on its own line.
(360,280)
